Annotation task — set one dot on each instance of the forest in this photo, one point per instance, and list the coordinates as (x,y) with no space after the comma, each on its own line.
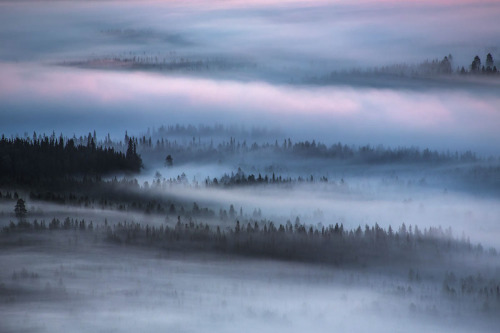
(252,166)
(184,192)
(435,72)
(44,159)
(334,245)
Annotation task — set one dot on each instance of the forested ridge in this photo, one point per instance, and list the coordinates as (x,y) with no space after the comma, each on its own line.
(194,143)
(43,159)
(331,244)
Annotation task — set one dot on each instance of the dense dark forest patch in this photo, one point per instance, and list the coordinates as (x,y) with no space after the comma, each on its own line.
(332,244)
(45,159)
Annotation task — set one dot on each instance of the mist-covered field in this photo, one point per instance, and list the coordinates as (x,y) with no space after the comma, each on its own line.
(221,166)
(80,286)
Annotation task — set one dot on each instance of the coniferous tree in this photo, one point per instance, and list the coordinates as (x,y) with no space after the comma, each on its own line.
(45,159)
(445,66)
(169,161)
(475,67)
(20,209)
(489,60)
(489,63)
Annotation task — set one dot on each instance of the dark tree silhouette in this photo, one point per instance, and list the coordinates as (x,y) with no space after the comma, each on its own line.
(475,67)
(133,159)
(20,209)
(44,159)
(169,161)
(490,65)
(489,60)
(445,66)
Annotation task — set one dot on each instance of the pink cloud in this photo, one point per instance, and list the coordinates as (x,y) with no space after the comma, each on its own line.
(429,111)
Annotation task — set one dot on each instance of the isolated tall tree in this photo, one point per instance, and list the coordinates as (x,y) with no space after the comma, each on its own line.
(475,67)
(232,212)
(445,66)
(169,161)
(489,60)
(134,160)
(489,63)
(20,209)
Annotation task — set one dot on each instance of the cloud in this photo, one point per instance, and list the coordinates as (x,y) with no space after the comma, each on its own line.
(292,41)
(455,114)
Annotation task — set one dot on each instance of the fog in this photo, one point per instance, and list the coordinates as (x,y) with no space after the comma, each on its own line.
(440,120)
(425,208)
(89,288)
(353,195)
(268,51)
(276,34)
(74,280)
(263,166)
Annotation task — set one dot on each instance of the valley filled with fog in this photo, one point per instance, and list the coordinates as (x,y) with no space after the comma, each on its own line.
(221,166)
(215,232)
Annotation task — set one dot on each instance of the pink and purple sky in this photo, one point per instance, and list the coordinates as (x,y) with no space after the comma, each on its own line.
(280,44)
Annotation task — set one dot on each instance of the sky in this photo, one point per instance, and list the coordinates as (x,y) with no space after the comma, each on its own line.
(272,49)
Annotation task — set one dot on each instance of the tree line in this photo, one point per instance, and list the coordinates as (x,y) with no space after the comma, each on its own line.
(477,68)
(26,161)
(333,244)
(435,67)
(199,150)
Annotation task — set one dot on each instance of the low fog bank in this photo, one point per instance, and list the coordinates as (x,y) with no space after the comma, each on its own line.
(276,43)
(483,85)
(279,182)
(372,206)
(70,282)
(281,36)
(267,63)
(448,119)
(352,201)
(356,204)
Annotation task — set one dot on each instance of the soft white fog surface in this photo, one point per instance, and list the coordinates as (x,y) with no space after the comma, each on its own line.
(255,73)
(108,289)
(267,54)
